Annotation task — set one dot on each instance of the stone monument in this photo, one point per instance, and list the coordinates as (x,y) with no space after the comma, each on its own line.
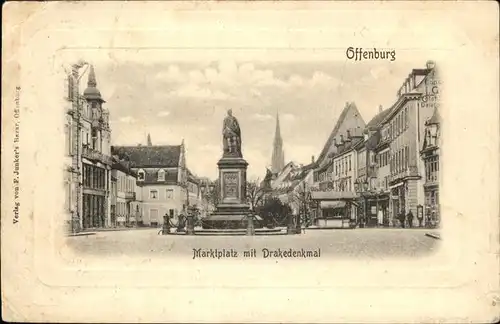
(232,210)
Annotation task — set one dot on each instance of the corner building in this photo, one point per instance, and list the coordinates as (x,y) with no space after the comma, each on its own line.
(405,132)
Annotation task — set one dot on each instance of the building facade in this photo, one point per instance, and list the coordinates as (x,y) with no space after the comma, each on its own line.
(87,148)
(336,172)
(372,180)
(430,155)
(96,157)
(406,130)
(164,184)
(349,120)
(124,206)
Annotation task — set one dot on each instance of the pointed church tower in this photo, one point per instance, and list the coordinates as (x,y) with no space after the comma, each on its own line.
(149,140)
(278,158)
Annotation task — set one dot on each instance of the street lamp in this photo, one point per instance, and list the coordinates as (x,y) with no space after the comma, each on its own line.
(365,185)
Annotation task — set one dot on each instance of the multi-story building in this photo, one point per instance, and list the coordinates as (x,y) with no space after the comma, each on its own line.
(349,119)
(406,134)
(88,150)
(430,156)
(164,184)
(341,174)
(382,158)
(344,164)
(335,171)
(96,157)
(72,161)
(125,210)
(372,180)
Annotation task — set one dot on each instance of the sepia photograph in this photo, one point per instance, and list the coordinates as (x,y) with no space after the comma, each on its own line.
(209,162)
(254,148)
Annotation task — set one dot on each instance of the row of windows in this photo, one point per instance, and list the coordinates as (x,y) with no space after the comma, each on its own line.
(94,177)
(383,159)
(343,185)
(153,194)
(95,142)
(397,125)
(432,169)
(400,160)
(94,212)
(343,165)
(141,175)
(121,209)
(432,198)
(125,184)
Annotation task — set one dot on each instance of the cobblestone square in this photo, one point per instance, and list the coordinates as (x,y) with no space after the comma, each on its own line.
(379,243)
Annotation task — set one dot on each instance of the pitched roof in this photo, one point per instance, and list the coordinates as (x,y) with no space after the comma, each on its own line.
(192,177)
(122,166)
(377,120)
(333,134)
(151,177)
(149,156)
(435,119)
(373,140)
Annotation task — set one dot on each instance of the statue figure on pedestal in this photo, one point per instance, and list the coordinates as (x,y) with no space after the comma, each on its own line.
(231,135)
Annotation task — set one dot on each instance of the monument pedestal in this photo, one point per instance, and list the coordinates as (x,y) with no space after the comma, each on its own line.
(232,210)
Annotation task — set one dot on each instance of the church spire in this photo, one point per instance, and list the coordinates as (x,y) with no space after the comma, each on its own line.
(149,140)
(278,157)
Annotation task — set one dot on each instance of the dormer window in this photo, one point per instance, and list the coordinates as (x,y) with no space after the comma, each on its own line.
(161,175)
(141,175)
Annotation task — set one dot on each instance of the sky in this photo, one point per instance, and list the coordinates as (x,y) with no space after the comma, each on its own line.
(183,100)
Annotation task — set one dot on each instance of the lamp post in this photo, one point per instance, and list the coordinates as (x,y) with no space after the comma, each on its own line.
(363,185)
(298,225)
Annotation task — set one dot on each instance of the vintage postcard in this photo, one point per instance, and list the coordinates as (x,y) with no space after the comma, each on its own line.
(250,162)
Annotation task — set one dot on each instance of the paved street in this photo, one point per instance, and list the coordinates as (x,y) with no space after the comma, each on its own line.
(366,243)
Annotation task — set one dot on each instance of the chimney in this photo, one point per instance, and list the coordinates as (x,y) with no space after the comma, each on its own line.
(348,134)
(342,143)
(380,108)
(348,141)
(430,64)
(312,159)
(335,141)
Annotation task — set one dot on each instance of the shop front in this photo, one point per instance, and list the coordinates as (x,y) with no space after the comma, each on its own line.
(375,209)
(398,202)
(432,217)
(334,209)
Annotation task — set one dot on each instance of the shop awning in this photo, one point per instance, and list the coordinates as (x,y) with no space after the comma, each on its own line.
(333,195)
(331,204)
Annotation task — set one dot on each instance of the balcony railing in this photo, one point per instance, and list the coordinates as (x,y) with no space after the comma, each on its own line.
(96,155)
(412,171)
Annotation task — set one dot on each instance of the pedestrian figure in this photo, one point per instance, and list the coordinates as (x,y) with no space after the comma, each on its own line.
(402,219)
(428,220)
(410,219)
(380,218)
(420,218)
